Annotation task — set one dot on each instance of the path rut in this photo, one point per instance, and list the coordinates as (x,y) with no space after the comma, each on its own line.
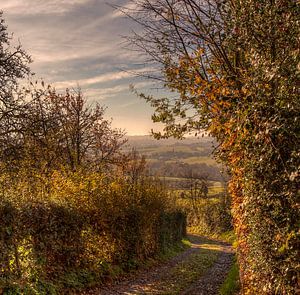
(159,280)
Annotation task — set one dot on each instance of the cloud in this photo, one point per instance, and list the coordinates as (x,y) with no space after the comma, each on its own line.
(128,7)
(107,77)
(94,80)
(105,93)
(84,32)
(31,7)
(78,42)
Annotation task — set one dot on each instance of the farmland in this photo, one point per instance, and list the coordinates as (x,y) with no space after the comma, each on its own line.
(176,161)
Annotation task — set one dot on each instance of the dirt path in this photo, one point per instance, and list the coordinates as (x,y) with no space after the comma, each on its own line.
(199,270)
(210,282)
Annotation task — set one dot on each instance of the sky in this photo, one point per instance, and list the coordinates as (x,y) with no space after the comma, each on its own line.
(79,43)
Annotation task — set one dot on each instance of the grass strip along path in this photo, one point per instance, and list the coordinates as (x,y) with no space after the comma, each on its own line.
(201,269)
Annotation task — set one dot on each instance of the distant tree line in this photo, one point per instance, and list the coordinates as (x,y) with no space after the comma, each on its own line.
(181,170)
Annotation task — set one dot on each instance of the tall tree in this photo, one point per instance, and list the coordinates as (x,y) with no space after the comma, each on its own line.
(234,65)
(13,66)
(14,63)
(60,130)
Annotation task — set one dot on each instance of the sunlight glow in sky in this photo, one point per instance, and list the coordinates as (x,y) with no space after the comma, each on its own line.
(78,42)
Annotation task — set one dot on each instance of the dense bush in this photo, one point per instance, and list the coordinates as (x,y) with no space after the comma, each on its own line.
(86,227)
(208,216)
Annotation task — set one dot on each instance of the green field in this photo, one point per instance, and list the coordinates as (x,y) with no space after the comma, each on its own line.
(175,160)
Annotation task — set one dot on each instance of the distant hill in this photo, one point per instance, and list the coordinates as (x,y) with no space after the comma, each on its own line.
(147,140)
(178,158)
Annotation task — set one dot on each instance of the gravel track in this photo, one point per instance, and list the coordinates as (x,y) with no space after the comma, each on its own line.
(150,281)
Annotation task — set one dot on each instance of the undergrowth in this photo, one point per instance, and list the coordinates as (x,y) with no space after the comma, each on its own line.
(175,249)
(86,230)
(231,284)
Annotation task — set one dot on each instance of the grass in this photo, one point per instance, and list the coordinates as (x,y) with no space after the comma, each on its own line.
(174,250)
(231,284)
(213,190)
(200,160)
(228,236)
(157,149)
(186,272)
(172,154)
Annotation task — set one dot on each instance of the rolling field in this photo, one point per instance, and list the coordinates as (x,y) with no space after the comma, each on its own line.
(175,160)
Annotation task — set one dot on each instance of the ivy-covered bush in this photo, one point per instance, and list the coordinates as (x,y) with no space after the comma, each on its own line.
(234,66)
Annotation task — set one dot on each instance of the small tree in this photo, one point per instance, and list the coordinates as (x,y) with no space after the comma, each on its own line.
(196,191)
(86,137)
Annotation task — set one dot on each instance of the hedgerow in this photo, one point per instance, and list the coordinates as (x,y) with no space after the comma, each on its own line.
(85,228)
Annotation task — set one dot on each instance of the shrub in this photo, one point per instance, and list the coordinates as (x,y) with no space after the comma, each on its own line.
(85,228)
(208,216)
